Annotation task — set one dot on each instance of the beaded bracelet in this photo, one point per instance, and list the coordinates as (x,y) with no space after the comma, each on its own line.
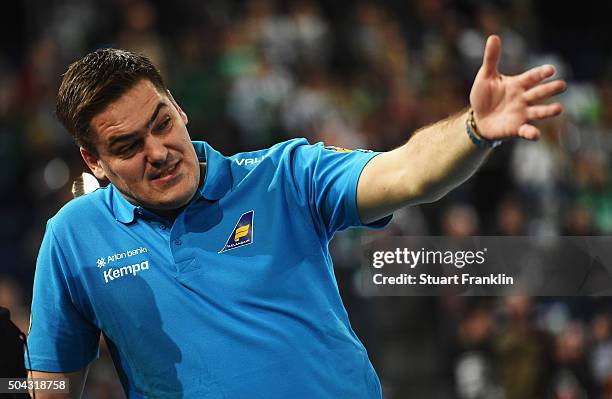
(471,129)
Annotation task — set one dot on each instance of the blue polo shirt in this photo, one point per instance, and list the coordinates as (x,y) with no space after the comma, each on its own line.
(234,299)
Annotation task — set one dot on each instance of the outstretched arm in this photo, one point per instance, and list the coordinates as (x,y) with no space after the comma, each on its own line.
(440,157)
(76,383)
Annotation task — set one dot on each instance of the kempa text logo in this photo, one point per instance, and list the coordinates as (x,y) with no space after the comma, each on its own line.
(111,274)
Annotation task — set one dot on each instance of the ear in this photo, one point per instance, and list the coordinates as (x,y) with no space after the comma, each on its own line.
(94,164)
(180,111)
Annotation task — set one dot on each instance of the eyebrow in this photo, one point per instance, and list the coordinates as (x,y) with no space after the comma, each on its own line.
(123,137)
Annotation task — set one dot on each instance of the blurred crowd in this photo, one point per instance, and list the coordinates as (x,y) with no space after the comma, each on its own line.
(361,74)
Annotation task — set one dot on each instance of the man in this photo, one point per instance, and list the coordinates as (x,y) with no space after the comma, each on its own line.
(209,276)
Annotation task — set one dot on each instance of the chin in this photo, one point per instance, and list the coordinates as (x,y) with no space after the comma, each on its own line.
(175,202)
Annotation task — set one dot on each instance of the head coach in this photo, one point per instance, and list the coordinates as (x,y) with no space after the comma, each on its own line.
(209,276)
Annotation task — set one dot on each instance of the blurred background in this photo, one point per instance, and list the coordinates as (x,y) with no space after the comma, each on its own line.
(363,75)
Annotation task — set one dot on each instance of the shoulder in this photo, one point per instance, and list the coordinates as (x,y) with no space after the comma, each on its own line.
(276,153)
(81,212)
(296,154)
(266,162)
(271,165)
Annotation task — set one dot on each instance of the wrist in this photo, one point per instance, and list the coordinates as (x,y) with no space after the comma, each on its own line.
(471,128)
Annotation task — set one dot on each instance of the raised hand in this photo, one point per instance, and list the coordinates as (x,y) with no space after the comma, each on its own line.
(505,106)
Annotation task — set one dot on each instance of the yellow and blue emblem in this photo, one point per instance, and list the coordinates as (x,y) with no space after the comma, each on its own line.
(342,149)
(242,233)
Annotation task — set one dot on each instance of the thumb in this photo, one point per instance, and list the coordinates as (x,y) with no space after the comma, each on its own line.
(491,56)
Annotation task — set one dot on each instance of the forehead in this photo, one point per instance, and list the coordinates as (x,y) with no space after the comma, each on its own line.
(129,113)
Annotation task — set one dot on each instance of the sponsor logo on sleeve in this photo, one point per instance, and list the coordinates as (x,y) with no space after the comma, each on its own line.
(249,161)
(341,149)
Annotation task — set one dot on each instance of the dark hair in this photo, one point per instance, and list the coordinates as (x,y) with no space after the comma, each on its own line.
(93,82)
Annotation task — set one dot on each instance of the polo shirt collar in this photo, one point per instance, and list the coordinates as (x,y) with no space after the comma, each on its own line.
(217,183)
(124,211)
(218,179)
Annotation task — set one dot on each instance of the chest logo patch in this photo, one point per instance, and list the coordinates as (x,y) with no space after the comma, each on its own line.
(242,233)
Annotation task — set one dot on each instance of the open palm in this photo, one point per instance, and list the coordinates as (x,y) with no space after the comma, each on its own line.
(505,106)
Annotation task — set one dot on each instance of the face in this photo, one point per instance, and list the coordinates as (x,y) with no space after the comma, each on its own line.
(144,149)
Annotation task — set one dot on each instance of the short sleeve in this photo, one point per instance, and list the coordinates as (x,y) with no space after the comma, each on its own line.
(60,338)
(328,177)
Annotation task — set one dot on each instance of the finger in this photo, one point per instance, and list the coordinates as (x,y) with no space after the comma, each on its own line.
(529,132)
(491,56)
(544,91)
(536,112)
(535,75)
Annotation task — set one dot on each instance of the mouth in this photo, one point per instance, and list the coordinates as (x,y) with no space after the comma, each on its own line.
(166,174)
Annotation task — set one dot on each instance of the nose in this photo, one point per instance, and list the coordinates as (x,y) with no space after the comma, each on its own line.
(155,150)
